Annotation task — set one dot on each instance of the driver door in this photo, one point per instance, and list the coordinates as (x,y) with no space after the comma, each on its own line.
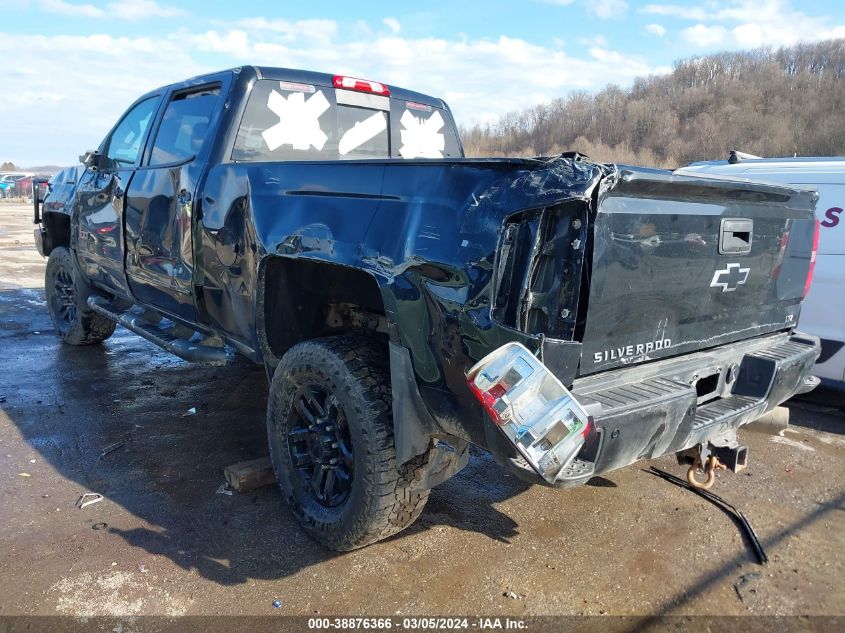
(100,198)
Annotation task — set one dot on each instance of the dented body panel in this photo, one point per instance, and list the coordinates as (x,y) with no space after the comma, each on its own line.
(597,269)
(426,231)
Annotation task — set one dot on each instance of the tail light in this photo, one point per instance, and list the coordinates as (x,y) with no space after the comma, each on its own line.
(361,85)
(532,408)
(809,281)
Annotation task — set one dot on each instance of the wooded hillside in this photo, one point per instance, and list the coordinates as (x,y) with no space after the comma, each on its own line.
(765,101)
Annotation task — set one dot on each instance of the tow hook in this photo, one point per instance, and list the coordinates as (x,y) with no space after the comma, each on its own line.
(713,464)
(723,453)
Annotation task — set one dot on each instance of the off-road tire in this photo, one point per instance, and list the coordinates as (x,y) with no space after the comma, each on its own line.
(66,296)
(382,500)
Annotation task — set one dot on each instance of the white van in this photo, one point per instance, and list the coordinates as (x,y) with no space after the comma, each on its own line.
(823,313)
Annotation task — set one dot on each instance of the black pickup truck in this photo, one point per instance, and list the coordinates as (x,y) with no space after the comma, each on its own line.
(402,297)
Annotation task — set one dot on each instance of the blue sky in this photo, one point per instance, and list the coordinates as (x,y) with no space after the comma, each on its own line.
(72,66)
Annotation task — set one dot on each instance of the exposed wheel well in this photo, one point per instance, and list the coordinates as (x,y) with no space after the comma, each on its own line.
(302,299)
(57,231)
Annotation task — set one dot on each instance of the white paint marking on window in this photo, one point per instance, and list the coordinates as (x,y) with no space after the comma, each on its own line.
(362,132)
(422,137)
(299,121)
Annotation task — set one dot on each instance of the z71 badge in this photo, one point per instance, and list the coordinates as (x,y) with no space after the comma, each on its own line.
(730,277)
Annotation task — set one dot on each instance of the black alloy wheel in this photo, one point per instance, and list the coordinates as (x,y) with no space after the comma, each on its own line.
(320,445)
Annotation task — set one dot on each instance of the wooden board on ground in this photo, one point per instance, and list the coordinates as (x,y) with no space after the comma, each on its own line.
(249,475)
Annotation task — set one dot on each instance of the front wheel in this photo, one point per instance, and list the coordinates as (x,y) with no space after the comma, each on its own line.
(330,428)
(75,322)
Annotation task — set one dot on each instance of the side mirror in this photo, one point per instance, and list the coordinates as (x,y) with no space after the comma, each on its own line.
(92,159)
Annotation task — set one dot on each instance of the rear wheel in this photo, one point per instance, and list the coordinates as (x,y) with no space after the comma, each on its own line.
(330,428)
(66,297)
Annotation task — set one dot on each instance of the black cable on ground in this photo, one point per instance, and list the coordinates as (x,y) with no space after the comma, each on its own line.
(715,499)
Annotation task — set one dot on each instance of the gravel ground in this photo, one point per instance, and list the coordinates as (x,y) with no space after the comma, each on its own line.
(164,542)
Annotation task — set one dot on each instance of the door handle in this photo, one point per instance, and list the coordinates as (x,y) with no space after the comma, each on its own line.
(735,235)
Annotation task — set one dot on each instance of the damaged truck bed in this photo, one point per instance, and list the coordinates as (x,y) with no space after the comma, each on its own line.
(330,228)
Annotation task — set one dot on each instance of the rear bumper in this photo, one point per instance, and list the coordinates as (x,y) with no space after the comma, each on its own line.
(667,406)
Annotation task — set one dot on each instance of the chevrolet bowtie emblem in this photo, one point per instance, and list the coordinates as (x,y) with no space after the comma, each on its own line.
(730,277)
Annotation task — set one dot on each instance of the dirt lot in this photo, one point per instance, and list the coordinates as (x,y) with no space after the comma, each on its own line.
(167,543)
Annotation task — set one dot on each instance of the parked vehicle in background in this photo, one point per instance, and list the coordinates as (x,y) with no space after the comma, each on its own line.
(823,313)
(23,186)
(7,185)
(14,184)
(407,301)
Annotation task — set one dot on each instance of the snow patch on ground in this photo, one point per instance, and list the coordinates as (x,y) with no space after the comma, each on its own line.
(114,593)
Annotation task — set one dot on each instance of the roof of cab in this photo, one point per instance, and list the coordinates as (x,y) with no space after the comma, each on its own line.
(300,76)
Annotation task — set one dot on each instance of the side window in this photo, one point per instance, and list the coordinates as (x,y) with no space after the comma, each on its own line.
(124,145)
(184,126)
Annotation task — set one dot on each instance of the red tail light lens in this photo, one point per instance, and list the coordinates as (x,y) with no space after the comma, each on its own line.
(361,85)
(589,432)
(809,281)
(487,400)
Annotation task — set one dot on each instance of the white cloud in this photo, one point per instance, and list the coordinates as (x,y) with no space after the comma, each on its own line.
(392,24)
(140,9)
(124,10)
(560,3)
(593,40)
(607,9)
(68,8)
(314,29)
(234,43)
(748,23)
(656,29)
(684,12)
(705,36)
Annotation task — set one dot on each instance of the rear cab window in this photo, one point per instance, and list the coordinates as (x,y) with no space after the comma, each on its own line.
(290,121)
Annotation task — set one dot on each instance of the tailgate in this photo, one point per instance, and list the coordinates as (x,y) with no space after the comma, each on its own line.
(683,263)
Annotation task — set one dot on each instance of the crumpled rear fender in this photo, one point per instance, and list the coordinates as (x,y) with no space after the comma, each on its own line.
(426,231)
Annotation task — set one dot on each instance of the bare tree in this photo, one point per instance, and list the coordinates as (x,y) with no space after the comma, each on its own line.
(772,102)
